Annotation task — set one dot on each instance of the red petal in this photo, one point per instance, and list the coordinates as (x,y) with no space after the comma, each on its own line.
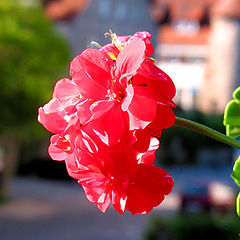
(147,188)
(148,157)
(165,118)
(83,111)
(120,161)
(119,201)
(91,72)
(143,137)
(141,111)
(159,85)
(110,48)
(109,120)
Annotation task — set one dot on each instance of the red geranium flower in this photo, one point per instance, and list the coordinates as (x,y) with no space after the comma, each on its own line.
(103,121)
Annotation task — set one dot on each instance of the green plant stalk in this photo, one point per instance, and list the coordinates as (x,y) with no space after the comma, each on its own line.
(197,127)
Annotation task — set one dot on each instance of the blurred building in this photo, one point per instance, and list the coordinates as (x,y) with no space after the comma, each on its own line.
(199,43)
(182,50)
(83,21)
(223,67)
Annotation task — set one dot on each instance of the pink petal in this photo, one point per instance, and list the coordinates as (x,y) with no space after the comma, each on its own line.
(99,108)
(130,58)
(146,36)
(104,206)
(56,153)
(52,118)
(60,148)
(65,88)
(128,99)
(94,194)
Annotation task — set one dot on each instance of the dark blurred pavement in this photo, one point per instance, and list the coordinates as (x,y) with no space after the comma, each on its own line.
(43,209)
(55,210)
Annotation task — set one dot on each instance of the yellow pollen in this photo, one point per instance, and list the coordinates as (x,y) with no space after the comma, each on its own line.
(129,81)
(152,59)
(112,56)
(67,149)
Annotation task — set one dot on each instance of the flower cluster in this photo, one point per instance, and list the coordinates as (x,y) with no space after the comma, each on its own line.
(104,119)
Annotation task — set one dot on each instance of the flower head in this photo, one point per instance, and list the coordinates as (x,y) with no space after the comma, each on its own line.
(103,120)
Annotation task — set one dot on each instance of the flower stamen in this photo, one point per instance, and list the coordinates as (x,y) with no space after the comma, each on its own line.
(112,56)
(96,44)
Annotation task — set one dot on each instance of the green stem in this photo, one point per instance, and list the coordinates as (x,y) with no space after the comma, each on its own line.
(181,122)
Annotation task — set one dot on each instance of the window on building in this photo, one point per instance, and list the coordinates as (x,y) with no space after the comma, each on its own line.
(183,27)
(121,12)
(104,9)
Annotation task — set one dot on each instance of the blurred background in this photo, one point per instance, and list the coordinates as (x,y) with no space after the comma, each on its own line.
(197,43)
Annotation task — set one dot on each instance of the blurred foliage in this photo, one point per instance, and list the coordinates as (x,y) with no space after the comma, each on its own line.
(194,226)
(190,143)
(32,57)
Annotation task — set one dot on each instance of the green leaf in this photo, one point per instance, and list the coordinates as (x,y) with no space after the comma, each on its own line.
(238,205)
(233,131)
(236,94)
(236,171)
(232,116)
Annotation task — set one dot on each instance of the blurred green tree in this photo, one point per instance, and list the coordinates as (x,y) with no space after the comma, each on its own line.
(32,57)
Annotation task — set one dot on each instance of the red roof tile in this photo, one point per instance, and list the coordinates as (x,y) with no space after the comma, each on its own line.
(187,10)
(63,9)
(167,35)
(227,8)
(193,10)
